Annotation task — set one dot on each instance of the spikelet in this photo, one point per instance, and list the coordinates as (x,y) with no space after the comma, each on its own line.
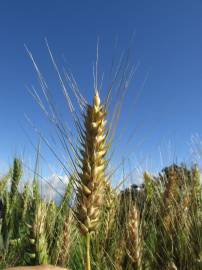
(91,177)
(133,236)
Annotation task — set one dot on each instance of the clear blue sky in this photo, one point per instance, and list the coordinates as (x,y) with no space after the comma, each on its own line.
(167,44)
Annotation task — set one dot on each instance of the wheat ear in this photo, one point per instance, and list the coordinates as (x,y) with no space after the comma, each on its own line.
(92,165)
(65,240)
(168,198)
(133,241)
(40,234)
(148,184)
(109,207)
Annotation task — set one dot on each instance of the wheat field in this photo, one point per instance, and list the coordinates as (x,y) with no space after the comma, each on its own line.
(97,226)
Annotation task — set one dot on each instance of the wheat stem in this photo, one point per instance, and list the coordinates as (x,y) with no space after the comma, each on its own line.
(88,265)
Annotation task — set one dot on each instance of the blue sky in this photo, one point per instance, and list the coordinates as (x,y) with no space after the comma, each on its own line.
(167,45)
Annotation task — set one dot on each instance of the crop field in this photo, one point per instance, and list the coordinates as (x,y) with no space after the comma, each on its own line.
(101,135)
(154,226)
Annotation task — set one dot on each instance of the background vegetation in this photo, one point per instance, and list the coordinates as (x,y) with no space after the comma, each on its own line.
(155,226)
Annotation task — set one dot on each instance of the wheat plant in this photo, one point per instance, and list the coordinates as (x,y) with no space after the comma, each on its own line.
(92,165)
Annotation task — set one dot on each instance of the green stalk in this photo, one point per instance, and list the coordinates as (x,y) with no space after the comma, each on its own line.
(87,266)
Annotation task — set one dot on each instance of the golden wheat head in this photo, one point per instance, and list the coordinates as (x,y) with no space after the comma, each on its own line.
(134,235)
(93,150)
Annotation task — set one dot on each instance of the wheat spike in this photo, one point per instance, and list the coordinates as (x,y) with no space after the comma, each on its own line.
(65,240)
(25,202)
(119,254)
(183,212)
(90,182)
(196,187)
(40,234)
(109,207)
(169,195)
(148,184)
(92,164)
(16,175)
(170,187)
(133,241)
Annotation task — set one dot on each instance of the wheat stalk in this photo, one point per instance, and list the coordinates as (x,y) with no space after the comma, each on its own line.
(92,164)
